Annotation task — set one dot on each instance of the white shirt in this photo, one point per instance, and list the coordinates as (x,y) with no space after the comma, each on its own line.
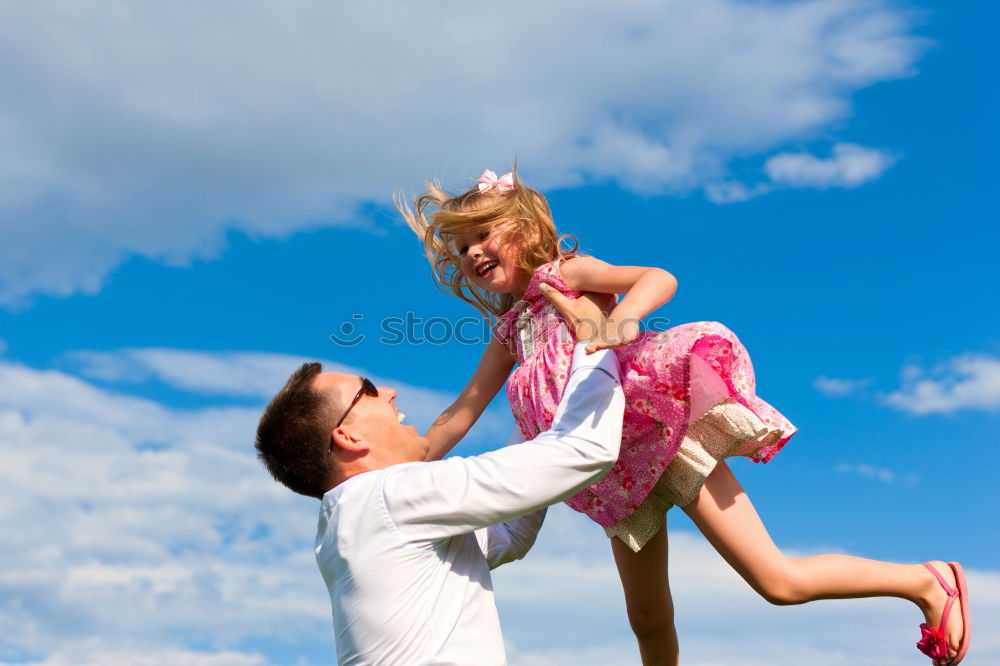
(406,551)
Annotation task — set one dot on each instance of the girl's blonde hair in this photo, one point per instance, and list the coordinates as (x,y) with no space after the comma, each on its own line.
(439,217)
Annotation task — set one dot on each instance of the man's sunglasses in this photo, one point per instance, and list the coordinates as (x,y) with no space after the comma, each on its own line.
(367,388)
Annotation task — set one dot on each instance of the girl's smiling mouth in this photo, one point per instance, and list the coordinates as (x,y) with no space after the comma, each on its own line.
(486,267)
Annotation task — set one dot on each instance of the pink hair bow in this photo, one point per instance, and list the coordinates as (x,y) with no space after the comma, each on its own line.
(489,181)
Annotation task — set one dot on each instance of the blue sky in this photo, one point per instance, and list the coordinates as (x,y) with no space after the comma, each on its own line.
(192,200)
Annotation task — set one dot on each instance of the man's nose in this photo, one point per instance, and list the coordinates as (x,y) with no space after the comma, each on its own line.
(386,393)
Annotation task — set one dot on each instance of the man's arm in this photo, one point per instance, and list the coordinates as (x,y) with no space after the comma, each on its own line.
(513,539)
(435,500)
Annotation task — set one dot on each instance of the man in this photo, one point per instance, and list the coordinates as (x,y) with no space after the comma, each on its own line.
(405,546)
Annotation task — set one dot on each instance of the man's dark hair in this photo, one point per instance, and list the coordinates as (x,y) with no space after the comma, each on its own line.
(293,437)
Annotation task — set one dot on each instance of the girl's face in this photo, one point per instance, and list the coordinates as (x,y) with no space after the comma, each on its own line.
(490,264)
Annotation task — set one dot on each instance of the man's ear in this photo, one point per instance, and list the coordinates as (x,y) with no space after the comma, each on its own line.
(348,441)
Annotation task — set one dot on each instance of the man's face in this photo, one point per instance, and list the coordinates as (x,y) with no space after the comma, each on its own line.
(376,420)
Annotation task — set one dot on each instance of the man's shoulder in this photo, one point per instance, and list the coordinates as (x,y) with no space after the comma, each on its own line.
(366,483)
(367,504)
(360,483)
(352,500)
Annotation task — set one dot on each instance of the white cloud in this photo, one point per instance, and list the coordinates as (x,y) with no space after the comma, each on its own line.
(837,388)
(250,374)
(260,375)
(965,382)
(104,538)
(99,653)
(870,472)
(850,166)
(154,129)
(734,192)
(139,420)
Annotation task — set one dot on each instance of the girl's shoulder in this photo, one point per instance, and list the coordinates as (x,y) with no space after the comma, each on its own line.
(550,273)
(572,264)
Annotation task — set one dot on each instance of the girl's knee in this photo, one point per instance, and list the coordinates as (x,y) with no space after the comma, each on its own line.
(650,618)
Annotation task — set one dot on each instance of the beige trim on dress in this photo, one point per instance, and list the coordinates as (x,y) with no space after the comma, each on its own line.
(723,431)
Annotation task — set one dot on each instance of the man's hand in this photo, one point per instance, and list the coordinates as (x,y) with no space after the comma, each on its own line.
(614,334)
(586,315)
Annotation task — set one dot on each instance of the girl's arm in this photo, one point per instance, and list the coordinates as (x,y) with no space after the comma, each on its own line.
(584,316)
(645,289)
(494,366)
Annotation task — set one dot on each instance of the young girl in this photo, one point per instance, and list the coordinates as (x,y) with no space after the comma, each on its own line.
(691,403)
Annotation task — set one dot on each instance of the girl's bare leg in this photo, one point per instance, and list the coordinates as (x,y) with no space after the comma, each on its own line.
(724,514)
(647,598)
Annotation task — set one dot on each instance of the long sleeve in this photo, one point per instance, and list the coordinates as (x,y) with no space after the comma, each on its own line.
(511,540)
(436,500)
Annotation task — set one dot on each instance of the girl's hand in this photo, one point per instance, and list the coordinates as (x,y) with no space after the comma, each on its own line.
(585,315)
(615,334)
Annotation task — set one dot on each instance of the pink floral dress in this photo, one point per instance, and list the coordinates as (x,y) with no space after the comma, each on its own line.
(689,389)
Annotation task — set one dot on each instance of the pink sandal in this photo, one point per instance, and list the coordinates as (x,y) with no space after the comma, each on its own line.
(933,642)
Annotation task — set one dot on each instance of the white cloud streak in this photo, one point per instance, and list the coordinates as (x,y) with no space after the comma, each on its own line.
(868,471)
(99,653)
(965,382)
(734,192)
(260,375)
(248,374)
(154,129)
(839,388)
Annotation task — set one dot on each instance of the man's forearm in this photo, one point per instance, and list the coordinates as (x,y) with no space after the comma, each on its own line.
(513,539)
(578,415)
